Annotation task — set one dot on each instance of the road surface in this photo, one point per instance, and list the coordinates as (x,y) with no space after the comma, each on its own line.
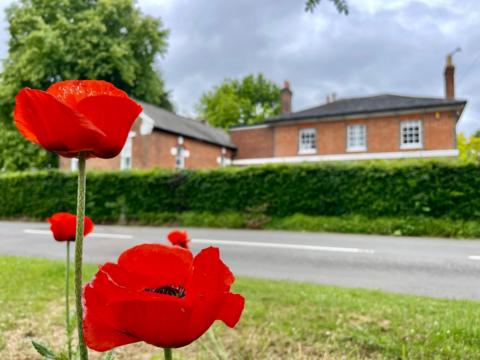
(424,266)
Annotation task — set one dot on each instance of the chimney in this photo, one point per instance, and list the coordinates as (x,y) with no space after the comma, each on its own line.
(286,98)
(450,75)
(449,78)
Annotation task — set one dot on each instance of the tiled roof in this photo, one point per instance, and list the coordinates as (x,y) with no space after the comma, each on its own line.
(369,104)
(196,129)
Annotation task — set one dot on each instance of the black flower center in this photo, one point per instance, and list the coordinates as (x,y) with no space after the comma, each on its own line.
(177,291)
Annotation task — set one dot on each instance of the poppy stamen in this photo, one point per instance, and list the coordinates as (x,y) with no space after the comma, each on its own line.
(177,291)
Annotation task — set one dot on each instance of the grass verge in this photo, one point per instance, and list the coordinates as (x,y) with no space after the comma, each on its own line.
(410,226)
(282,320)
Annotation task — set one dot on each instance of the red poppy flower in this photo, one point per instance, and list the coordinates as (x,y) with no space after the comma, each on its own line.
(158,294)
(76,116)
(178,238)
(64,226)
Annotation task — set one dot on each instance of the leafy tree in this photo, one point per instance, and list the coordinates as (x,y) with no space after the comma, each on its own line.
(246,101)
(18,154)
(341,5)
(469,148)
(77,39)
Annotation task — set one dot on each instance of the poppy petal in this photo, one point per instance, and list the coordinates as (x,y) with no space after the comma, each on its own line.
(114,116)
(226,307)
(112,283)
(210,274)
(44,120)
(103,338)
(71,92)
(117,284)
(231,309)
(100,334)
(166,324)
(166,265)
(204,312)
(87,226)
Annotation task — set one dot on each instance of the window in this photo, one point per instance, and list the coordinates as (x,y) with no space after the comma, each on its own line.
(307,141)
(356,138)
(126,154)
(222,160)
(180,153)
(411,134)
(74,164)
(180,157)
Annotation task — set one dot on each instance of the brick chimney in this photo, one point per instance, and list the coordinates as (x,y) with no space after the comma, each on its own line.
(449,78)
(286,98)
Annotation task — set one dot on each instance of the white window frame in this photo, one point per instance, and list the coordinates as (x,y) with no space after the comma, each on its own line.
(356,132)
(180,154)
(404,125)
(74,164)
(126,153)
(180,157)
(222,159)
(304,147)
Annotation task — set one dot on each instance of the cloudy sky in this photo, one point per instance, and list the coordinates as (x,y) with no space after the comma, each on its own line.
(394,46)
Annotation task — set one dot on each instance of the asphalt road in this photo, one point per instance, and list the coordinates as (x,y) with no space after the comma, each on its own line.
(424,266)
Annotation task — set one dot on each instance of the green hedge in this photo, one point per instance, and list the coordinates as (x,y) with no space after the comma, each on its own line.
(433,189)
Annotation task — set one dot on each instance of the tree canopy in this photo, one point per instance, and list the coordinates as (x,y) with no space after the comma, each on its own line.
(16,153)
(76,39)
(468,147)
(341,5)
(237,102)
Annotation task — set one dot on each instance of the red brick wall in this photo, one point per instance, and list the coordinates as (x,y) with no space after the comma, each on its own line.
(253,143)
(203,155)
(383,135)
(440,133)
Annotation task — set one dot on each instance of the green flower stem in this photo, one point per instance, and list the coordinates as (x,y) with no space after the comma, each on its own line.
(79,254)
(168,354)
(67,303)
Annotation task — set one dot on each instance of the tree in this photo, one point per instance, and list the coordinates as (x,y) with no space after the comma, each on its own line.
(18,154)
(341,5)
(469,148)
(240,102)
(77,39)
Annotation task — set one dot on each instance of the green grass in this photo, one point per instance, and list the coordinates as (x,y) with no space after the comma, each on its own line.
(282,320)
(400,226)
(411,226)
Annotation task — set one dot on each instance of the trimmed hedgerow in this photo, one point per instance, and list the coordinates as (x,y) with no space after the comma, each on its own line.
(432,189)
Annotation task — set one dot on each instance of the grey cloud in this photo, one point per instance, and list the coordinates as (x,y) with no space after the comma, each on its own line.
(399,50)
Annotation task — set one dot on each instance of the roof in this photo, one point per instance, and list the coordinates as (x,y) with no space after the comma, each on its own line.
(195,129)
(370,105)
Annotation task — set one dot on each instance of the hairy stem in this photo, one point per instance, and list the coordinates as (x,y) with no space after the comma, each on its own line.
(168,354)
(67,303)
(79,254)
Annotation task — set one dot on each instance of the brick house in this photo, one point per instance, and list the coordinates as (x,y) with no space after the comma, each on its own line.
(384,126)
(160,138)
